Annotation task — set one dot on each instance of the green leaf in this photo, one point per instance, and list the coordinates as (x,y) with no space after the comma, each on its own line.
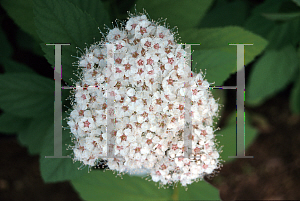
(11,66)
(219,64)
(228,140)
(35,134)
(281,16)
(92,8)
(295,98)
(199,191)
(296,2)
(183,14)
(295,94)
(22,14)
(104,185)
(12,124)
(63,22)
(272,73)
(28,43)
(58,169)
(278,34)
(6,49)
(284,33)
(26,94)
(216,55)
(226,14)
(259,24)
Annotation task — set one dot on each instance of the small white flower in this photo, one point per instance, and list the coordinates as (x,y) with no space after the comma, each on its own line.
(147,86)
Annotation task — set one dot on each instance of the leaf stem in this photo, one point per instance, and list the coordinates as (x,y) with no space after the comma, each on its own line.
(175,193)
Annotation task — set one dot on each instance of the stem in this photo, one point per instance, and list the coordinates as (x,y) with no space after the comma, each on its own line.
(175,193)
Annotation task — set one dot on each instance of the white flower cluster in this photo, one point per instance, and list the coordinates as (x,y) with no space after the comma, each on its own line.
(149,76)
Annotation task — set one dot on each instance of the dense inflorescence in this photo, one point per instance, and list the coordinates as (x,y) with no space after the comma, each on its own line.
(148,82)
